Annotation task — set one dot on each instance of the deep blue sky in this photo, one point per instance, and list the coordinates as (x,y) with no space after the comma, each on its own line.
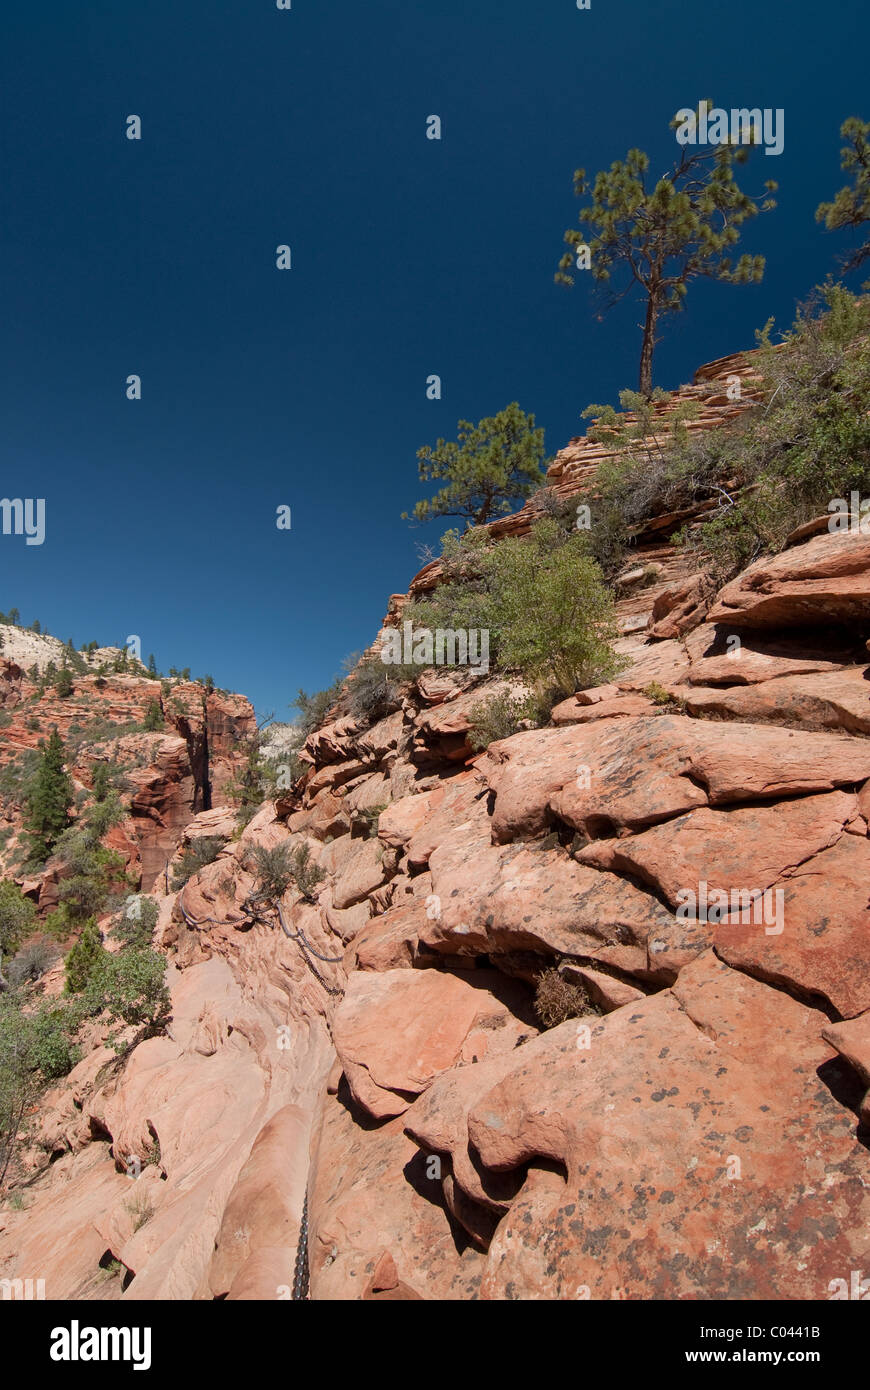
(307,387)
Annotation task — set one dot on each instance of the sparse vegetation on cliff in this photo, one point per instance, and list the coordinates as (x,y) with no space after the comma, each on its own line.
(775,467)
(503,715)
(274,869)
(486,470)
(810,443)
(541,598)
(196,856)
(374,688)
(306,874)
(314,708)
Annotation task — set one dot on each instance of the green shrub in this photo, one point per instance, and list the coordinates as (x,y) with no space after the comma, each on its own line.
(136,922)
(132,987)
(35,1048)
(503,715)
(313,709)
(541,598)
(153,720)
(17,918)
(306,875)
(49,799)
(102,781)
(84,892)
(63,683)
(106,812)
(274,869)
(84,959)
(196,856)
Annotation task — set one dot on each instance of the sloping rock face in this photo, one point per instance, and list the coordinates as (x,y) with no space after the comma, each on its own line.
(697,1125)
(180,1173)
(701,1132)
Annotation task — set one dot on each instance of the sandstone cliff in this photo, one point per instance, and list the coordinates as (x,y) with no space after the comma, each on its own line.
(369,1054)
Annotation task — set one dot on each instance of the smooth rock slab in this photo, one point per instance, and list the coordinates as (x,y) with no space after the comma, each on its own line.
(632,773)
(361,873)
(396,1031)
(824,946)
(704,1152)
(748,847)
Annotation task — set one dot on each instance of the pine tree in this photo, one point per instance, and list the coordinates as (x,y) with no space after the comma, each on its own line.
(101,782)
(663,235)
(851,205)
(152,666)
(63,683)
(84,958)
(490,468)
(49,800)
(153,717)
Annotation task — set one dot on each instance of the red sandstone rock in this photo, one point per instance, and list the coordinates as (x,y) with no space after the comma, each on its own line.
(696,1132)
(574,711)
(832,700)
(641,771)
(852,1041)
(747,847)
(512,898)
(361,874)
(264,1210)
(822,949)
(396,1031)
(369,1189)
(826,580)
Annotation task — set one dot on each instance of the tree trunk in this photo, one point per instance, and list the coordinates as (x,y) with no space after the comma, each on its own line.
(649,340)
